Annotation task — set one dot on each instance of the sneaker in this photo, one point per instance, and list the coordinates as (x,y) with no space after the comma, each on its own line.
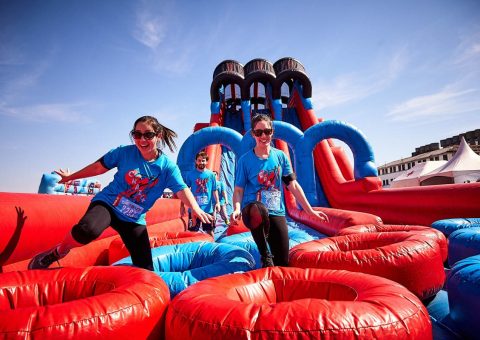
(267,261)
(45,259)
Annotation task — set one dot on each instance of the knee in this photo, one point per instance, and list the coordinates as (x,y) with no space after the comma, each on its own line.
(84,233)
(254,215)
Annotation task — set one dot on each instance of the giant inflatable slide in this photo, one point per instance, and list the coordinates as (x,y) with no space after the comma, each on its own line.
(283,90)
(376,269)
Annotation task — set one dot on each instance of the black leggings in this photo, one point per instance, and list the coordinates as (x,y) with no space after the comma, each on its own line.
(267,229)
(99,216)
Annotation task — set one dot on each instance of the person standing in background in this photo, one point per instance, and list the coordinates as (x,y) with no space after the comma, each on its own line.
(203,184)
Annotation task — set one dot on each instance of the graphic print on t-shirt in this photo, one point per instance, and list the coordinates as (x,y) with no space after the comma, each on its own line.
(269,194)
(137,193)
(201,185)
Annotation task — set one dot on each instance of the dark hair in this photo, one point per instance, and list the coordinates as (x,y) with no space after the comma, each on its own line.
(166,135)
(202,154)
(259,117)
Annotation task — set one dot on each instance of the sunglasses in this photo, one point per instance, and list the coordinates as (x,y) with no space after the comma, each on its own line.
(259,132)
(147,135)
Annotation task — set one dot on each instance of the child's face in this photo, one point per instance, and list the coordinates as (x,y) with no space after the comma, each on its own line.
(200,163)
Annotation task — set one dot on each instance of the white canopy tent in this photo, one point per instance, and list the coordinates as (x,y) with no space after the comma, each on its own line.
(411,177)
(464,167)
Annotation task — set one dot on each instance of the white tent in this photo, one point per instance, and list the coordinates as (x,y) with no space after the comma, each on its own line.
(411,177)
(464,167)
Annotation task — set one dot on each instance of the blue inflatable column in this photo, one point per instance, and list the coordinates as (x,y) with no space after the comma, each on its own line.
(246,109)
(277,109)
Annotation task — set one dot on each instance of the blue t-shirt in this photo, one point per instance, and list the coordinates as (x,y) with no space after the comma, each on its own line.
(221,189)
(203,184)
(261,179)
(138,183)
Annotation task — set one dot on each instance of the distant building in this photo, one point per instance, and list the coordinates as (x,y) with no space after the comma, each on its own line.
(430,152)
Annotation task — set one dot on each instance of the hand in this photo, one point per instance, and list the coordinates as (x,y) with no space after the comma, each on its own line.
(202,216)
(236,215)
(217,207)
(320,215)
(64,174)
(20,217)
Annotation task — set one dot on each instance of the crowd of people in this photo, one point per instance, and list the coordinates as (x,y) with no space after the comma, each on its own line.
(144,173)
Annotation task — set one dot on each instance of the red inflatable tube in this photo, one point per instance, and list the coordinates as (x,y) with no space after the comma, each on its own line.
(419,229)
(236,227)
(118,250)
(32,223)
(96,252)
(87,303)
(412,260)
(287,303)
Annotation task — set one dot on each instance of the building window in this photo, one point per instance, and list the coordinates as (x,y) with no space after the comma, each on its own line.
(436,158)
(445,157)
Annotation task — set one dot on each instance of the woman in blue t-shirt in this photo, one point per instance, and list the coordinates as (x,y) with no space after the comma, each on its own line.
(143,172)
(258,195)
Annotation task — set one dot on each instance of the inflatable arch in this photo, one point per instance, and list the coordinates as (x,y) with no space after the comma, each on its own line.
(205,137)
(364,162)
(302,145)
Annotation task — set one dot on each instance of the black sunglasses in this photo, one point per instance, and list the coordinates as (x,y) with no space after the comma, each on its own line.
(258,132)
(147,135)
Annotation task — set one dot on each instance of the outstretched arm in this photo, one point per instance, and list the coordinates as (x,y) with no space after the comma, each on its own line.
(91,170)
(187,198)
(297,191)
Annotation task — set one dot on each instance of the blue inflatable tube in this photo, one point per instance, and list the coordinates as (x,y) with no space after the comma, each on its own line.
(450,225)
(245,241)
(463,285)
(463,243)
(182,265)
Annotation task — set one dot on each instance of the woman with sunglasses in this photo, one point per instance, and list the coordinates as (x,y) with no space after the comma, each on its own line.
(258,195)
(143,172)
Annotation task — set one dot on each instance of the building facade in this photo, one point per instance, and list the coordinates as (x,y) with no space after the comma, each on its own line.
(444,150)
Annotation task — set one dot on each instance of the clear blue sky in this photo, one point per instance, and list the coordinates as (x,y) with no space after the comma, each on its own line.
(74,75)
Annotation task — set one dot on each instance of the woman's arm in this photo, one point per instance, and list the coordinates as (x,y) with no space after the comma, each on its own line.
(187,198)
(237,200)
(217,201)
(225,196)
(91,170)
(297,191)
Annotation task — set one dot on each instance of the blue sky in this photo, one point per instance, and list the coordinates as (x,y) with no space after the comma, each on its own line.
(74,75)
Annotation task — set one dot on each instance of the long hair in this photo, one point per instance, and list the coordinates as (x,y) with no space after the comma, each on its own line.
(259,117)
(166,135)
